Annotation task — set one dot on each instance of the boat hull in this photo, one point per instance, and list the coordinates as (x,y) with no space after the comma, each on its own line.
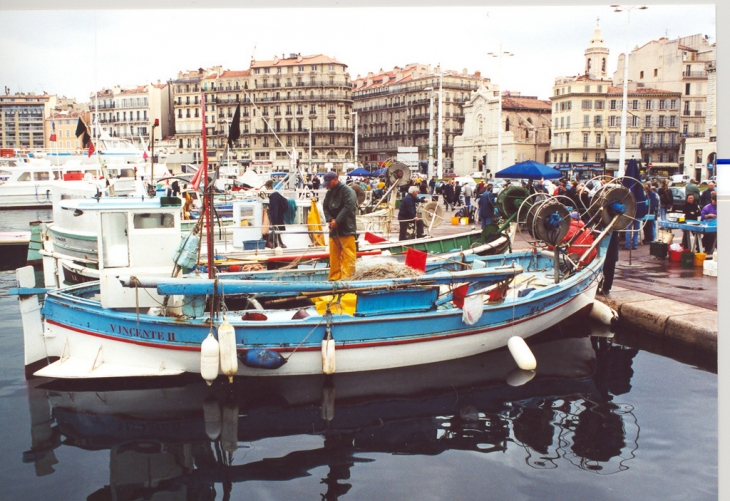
(14,249)
(91,343)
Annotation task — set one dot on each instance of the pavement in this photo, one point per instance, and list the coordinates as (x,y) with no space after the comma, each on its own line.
(653,296)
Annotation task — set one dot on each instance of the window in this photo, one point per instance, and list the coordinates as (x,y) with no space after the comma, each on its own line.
(599,105)
(562,122)
(635,105)
(588,88)
(586,120)
(600,87)
(686,89)
(641,74)
(661,120)
(154,221)
(314,67)
(585,156)
(598,121)
(599,136)
(647,121)
(612,140)
(672,121)
(649,104)
(656,72)
(673,104)
(613,104)
(612,121)
(634,138)
(585,140)
(634,121)
(585,104)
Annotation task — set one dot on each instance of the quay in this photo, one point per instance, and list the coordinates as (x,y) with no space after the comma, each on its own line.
(654,296)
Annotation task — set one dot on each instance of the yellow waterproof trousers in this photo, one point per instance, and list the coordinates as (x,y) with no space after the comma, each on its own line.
(342,257)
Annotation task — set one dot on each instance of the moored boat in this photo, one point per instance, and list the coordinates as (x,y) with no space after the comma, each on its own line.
(14,249)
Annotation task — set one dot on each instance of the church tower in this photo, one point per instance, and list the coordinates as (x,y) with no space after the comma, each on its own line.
(596,57)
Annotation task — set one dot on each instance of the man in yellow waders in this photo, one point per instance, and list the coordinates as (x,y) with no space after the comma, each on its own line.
(340,205)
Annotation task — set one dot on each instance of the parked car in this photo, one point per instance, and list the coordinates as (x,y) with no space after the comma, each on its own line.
(680,178)
(678,198)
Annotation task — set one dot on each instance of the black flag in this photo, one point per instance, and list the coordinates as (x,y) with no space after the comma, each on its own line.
(235,131)
(81,129)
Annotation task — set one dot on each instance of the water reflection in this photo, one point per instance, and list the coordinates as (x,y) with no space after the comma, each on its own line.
(189,441)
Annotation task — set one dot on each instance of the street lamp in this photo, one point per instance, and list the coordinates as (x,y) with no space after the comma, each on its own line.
(356,158)
(430,135)
(624,107)
(499,54)
(440,164)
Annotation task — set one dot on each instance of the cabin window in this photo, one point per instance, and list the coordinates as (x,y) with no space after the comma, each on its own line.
(41,176)
(155,221)
(25,176)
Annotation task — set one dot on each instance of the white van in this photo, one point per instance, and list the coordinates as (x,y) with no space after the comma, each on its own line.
(680,178)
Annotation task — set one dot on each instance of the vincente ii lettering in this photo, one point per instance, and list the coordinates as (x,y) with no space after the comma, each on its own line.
(142,333)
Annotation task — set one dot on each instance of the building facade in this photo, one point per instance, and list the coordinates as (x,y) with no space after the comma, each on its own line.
(187,92)
(399,108)
(524,128)
(681,65)
(22,118)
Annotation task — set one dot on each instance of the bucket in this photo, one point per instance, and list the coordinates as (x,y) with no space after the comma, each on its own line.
(700,258)
(464,221)
(665,236)
(675,256)
(454,220)
(687,259)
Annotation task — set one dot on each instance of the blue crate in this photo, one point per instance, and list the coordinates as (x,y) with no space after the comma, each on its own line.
(254,244)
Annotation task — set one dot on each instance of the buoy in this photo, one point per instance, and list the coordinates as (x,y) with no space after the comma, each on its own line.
(227,346)
(229,429)
(259,358)
(521,353)
(278,251)
(603,313)
(518,377)
(209,359)
(212,418)
(328,353)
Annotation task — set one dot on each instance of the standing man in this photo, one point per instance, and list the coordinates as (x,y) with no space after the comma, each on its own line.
(432,185)
(467,194)
(457,194)
(448,193)
(339,206)
(706,196)
(486,206)
(407,216)
(691,188)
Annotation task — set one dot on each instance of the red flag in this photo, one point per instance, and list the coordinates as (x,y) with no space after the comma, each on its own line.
(459,294)
(53,138)
(195,182)
(91,149)
(145,155)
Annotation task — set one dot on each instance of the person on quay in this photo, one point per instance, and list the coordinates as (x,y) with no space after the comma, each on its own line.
(431,185)
(706,196)
(708,214)
(457,195)
(486,206)
(650,226)
(666,201)
(692,212)
(691,188)
(468,191)
(340,204)
(448,194)
(407,216)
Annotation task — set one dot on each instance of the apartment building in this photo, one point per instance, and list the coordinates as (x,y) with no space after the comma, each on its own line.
(682,65)
(302,102)
(394,109)
(524,129)
(22,119)
(187,92)
(129,113)
(587,113)
(64,122)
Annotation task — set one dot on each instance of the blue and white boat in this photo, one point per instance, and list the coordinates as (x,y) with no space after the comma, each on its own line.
(134,322)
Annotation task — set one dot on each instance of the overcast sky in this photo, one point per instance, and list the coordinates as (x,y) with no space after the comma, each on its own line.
(74,53)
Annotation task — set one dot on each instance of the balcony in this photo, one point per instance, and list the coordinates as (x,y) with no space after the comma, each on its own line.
(655,145)
(694,74)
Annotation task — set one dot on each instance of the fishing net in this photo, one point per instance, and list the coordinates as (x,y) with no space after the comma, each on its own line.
(379,270)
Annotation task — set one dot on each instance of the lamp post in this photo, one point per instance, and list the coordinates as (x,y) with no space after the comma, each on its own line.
(624,106)
(439,160)
(310,147)
(499,55)
(156,123)
(429,174)
(356,158)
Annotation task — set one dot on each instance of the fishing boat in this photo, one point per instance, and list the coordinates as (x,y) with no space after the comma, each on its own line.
(134,322)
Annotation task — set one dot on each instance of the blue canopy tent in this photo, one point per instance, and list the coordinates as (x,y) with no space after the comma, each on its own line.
(359,172)
(529,170)
(380,172)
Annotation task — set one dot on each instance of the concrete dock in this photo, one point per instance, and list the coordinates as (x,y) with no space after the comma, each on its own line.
(653,296)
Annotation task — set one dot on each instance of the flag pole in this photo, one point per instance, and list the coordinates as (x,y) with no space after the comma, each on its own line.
(207,198)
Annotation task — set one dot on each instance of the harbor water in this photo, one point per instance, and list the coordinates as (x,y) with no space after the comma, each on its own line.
(599,419)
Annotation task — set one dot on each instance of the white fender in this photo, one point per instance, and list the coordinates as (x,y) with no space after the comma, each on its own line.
(229,431)
(603,313)
(212,418)
(209,359)
(227,346)
(328,356)
(521,353)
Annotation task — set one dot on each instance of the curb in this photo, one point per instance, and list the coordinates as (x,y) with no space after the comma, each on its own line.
(665,318)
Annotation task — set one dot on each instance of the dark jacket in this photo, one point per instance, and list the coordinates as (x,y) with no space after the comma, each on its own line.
(486,206)
(692,211)
(665,197)
(448,191)
(706,197)
(278,205)
(407,208)
(340,204)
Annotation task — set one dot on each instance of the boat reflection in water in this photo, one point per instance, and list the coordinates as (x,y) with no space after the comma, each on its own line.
(181,440)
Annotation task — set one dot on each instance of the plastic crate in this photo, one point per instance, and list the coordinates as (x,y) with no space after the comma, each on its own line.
(254,244)
(659,249)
